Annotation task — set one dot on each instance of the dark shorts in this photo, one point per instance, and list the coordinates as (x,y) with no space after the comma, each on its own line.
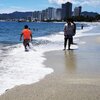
(68,36)
(26,41)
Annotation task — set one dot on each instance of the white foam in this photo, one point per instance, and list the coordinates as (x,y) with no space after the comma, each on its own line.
(85,31)
(22,68)
(0,51)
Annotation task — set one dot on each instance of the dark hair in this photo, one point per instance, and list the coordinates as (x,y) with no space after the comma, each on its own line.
(70,20)
(26,26)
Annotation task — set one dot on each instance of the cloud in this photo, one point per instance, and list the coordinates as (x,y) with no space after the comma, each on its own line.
(77,2)
(59,1)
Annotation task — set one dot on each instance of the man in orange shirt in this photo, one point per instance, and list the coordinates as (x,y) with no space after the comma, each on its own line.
(27,36)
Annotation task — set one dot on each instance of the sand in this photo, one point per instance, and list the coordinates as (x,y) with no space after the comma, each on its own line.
(76,75)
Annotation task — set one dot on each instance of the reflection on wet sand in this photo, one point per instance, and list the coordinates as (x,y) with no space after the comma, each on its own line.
(70,61)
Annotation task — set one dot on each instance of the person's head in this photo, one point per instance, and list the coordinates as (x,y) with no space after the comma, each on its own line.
(68,21)
(26,26)
(71,20)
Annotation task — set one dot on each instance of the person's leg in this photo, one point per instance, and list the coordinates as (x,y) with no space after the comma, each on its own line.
(28,45)
(25,44)
(65,43)
(28,41)
(71,40)
(69,43)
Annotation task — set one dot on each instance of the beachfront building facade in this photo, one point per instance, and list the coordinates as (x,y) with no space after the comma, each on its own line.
(77,11)
(36,16)
(47,14)
(44,15)
(66,10)
(58,13)
(51,13)
(54,13)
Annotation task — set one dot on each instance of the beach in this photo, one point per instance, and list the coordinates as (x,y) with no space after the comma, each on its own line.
(76,75)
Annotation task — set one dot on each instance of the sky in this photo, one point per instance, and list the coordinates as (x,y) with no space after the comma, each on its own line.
(9,6)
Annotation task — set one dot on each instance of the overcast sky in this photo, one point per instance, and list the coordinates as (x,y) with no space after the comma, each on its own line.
(8,6)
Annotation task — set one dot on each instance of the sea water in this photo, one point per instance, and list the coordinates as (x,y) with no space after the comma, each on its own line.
(18,67)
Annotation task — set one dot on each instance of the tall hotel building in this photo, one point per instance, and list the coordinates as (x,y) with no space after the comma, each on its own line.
(77,11)
(66,10)
(51,13)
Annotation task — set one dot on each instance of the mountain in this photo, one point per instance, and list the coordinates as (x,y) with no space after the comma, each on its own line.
(15,15)
(90,14)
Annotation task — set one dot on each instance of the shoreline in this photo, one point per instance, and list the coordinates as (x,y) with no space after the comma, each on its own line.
(76,75)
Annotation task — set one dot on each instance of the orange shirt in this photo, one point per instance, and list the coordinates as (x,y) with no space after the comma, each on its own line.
(26,33)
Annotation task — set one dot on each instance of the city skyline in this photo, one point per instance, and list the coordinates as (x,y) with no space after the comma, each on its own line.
(23,6)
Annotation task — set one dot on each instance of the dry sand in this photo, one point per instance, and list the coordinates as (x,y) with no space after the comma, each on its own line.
(76,75)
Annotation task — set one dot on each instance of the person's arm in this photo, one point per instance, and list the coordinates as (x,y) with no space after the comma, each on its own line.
(74,28)
(65,30)
(31,37)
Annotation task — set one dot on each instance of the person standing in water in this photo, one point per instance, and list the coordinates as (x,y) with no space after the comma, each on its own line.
(68,34)
(74,30)
(27,36)
(82,26)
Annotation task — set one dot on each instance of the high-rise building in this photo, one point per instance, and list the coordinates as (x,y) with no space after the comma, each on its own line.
(51,13)
(44,15)
(66,10)
(77,11)
(58,14)
(37,15)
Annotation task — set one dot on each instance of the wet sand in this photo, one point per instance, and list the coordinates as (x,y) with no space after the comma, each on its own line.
(76,75)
